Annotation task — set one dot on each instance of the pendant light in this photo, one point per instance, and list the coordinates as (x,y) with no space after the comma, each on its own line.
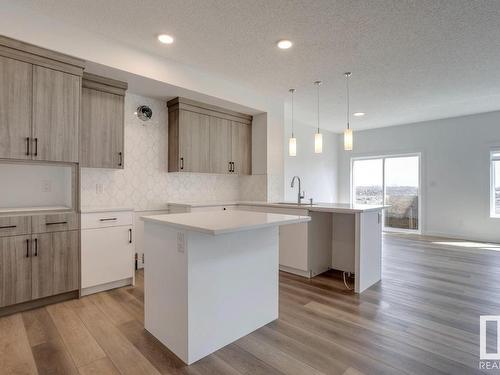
(292,142)
(348,138)
(318,137)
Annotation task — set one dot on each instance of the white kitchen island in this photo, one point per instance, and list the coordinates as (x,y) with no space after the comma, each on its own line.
(210,277)
(340,236)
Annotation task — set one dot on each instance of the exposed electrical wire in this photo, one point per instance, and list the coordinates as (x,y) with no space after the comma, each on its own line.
(345,282)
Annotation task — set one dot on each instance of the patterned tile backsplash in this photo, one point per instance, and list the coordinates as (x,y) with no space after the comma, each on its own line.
(144,183)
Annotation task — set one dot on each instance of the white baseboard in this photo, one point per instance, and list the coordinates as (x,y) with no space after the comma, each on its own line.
(296,271)
(107,286)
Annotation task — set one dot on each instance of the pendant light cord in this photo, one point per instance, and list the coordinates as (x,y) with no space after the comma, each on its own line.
(318,84)
(292,92)
(347,75)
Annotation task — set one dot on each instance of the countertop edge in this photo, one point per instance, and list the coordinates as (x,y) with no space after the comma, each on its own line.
(316,208)
(215,232)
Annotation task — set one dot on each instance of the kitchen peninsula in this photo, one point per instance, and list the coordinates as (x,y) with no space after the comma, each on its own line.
(340,236)
(212,277)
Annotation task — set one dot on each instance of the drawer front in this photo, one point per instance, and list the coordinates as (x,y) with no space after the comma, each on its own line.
(107,219)
(15,225)
(55,222)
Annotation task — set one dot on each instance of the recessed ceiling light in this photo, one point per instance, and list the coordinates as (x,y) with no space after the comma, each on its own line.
(358,114)
(284,44)
(165,39)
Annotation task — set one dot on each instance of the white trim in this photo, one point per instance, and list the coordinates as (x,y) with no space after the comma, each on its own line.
(107,286)
(420,190)
(494,157)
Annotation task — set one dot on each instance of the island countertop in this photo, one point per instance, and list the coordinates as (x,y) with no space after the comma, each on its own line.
(223,222)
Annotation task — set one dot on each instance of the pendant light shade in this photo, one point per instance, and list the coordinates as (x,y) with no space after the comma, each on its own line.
(318,143)
(348,136)
(318,137)
(292,146)
(348,140)
(292,141)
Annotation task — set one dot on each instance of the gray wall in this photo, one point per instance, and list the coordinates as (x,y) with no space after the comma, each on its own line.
(454,167)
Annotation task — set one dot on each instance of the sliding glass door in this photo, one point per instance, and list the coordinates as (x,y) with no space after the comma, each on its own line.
(390,180)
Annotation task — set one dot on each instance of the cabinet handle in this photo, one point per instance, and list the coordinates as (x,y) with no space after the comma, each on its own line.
(120,156)
(229,167)
(36,247)
(57,222)
(27,248)
(108,219)
(232,166)
(182,163)
(27,146)
(8,226)
(130,236)
(36,146)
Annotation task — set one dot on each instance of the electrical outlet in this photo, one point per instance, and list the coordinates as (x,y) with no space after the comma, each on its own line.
(99,188)
(46,186)
(181,242)
(142,258)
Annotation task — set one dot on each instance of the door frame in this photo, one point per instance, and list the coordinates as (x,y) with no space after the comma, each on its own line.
(420,190)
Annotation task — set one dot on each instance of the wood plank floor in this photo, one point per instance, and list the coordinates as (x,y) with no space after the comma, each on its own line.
(423,318)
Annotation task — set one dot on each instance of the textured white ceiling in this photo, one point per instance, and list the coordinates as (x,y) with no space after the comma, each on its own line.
(411,60)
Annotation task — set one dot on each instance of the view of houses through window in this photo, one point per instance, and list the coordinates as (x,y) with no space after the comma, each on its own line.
(391,180)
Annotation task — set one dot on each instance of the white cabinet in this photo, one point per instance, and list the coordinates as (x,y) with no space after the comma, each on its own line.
(107,250)
(293,240)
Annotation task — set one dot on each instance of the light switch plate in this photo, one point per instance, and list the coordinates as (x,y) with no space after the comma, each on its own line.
(181,242)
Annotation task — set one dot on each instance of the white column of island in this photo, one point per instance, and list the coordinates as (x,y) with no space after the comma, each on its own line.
(211,277)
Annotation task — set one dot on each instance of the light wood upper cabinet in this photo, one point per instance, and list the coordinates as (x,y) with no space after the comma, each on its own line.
(241,148)
(56,111)
(190,132)
(15,270)
(39,102)
(208,139)
(220,145)
(15,108)
(102,122)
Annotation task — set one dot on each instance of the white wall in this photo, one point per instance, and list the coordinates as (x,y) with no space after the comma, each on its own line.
(318,172)
(455,170)
(25,185)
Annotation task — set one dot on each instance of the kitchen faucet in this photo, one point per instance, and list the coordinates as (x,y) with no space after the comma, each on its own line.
(300,194)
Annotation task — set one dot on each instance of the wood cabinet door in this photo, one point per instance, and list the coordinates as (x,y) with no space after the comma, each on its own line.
(56,104)
(220,145)
(55,263)
(66,261)
(241,148)
(15,270)
(101,129)
(15,108)
(42,271)
(194,133)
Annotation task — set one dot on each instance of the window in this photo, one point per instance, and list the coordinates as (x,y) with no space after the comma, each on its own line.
(495,183)
(390,180)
